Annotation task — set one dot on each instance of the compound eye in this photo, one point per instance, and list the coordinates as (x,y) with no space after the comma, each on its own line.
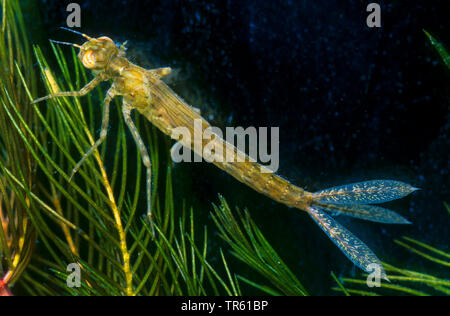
(89,59)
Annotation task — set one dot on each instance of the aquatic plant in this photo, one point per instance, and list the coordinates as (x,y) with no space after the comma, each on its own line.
(52,227)
(17,235)
(442,51)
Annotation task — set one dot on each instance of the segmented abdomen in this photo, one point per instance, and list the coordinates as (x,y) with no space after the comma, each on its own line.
(259,177)
(168,112)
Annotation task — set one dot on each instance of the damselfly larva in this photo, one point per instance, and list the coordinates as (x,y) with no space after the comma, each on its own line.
(144,91)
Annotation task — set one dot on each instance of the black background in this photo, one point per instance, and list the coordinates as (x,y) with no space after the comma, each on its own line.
(352,103)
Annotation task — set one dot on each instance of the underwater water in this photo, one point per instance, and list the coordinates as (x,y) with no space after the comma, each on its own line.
(352,103)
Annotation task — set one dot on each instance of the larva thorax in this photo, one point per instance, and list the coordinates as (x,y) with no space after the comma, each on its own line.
(102,55)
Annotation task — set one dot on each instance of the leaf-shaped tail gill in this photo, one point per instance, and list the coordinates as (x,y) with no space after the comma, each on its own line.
(368,192)
(351,246)
(365,212)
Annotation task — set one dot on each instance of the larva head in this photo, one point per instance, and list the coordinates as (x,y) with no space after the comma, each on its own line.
(96,53)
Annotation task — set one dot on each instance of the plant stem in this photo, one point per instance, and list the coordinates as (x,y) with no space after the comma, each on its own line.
(118,221)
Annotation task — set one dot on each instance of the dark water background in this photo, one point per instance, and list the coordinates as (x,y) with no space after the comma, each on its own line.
(352,104)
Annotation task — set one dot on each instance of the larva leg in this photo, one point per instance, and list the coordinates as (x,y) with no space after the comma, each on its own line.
(126,109)
(123,48)
(161,72)
(105,121)
(85,90)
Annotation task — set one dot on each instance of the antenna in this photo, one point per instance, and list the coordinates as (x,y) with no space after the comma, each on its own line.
(76,32)
(65,43)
